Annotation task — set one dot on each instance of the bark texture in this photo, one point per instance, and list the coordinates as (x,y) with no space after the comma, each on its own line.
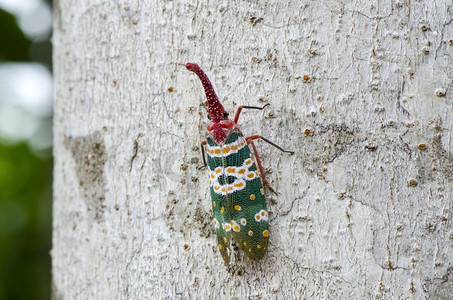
(361,90)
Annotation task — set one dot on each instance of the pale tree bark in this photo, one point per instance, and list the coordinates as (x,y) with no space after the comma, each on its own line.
(361,90)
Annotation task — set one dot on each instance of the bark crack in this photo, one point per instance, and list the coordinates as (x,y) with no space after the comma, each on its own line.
(398,99)
(299,267)
(442,32)
(131,260)
(374,17)
(286,213)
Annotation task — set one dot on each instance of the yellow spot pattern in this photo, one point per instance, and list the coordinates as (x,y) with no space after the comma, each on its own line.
(237,207)
(235,226)
(265,233)
(252,197)
(239,185)
(241,175)
(231,170)
(215,151)
(261,216)
(216,224)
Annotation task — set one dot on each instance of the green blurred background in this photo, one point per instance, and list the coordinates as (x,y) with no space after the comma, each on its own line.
(25,148)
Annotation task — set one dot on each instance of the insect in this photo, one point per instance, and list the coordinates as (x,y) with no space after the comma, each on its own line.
(236,179)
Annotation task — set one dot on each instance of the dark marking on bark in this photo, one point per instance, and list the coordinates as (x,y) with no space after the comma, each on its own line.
(440,288)
(178,220)
(134,155)
(136,151)
(89,155)
(331,141)
(255,20)
(444,158)
(281,213)
(399,107)
(270,58)
(338,138)
(203,222)
(448,276)
(434,160)
(442,33)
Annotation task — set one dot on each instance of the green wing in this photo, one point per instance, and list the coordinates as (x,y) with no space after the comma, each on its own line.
(237,197)
(247,210)
(218,202)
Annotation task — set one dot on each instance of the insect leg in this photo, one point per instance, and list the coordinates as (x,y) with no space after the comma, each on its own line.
(203,155)
(254,137)
(238,112)
(258,160)
(260,166)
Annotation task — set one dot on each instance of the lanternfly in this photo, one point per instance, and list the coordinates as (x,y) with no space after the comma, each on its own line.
(236,179)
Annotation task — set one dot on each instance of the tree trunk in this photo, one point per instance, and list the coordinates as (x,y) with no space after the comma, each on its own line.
(361,92)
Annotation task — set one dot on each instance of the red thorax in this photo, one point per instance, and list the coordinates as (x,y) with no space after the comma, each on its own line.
(220,127)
